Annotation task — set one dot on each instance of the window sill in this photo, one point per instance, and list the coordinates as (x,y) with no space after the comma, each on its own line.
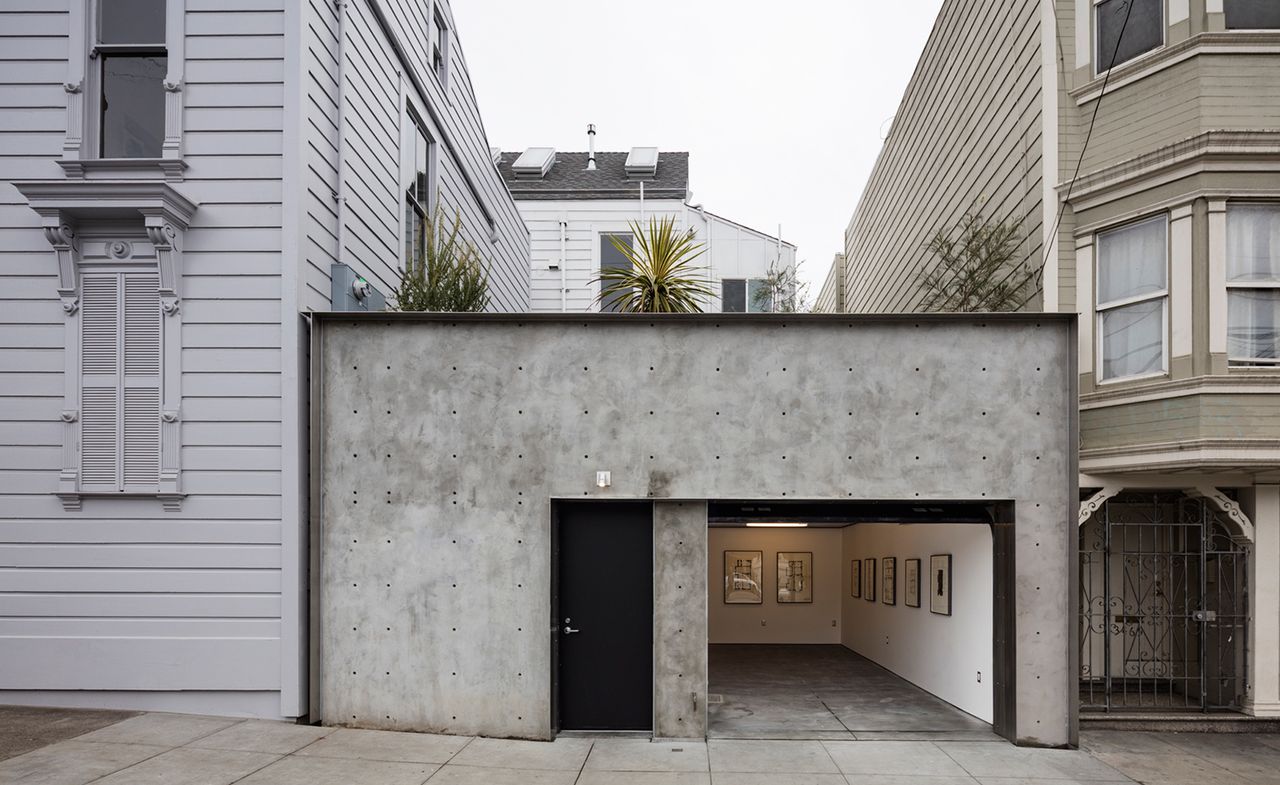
(1147,64)
(171,502)
(1140,377)
(169,169)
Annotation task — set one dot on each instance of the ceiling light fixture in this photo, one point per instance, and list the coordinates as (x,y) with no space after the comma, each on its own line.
(779,525)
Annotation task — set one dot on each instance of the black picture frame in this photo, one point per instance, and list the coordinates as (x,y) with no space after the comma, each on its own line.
(735,594)
(940,584)
(889,580)
(869,580)
(911,583)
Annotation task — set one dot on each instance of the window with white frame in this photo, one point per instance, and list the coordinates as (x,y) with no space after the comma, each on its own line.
(1252,14)
(745,295)
(120,390)
(440,49)
(1253,283)
(1133,295)
(417,178)
(132,63)
(1124,29)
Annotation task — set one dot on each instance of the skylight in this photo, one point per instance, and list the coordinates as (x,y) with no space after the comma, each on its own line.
(534,163)
(642,162)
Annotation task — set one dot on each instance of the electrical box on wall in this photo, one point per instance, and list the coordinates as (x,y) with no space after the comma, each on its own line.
(351,292)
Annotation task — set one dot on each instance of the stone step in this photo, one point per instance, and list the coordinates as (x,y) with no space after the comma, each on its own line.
(1179,722)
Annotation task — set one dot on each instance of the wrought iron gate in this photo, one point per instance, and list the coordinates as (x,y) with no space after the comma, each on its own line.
(1163,607)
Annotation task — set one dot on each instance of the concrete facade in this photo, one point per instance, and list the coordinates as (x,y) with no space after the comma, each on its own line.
(441,442)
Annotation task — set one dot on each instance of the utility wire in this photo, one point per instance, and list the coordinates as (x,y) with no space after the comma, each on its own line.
(1053,235)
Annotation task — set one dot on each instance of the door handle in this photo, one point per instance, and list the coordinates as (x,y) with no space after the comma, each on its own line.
(569,630)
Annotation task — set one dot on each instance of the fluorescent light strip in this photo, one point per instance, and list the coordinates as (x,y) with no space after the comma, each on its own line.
(778,525)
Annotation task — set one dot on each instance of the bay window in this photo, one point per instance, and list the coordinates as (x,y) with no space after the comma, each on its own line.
(1253,284)
(1252,14)
(1133,299)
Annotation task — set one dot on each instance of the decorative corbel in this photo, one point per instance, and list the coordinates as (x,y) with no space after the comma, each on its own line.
(164,237)
(1229,507)
(69,478)
(1094,503)
(60,232)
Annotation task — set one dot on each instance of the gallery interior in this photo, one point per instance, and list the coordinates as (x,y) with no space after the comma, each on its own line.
(826,620)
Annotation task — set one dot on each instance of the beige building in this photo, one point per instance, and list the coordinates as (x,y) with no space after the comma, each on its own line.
(1147,194)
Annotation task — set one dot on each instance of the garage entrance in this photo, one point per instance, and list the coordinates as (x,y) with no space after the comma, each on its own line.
(864,620)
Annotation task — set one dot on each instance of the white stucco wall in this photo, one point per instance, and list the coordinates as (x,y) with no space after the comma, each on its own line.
(941,654)
(816,622)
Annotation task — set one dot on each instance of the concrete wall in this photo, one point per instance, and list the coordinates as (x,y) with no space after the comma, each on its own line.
(443,439)
(769,622)
(942,654)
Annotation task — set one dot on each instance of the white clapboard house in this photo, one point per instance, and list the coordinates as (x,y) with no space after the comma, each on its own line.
(181,182)
(577,203)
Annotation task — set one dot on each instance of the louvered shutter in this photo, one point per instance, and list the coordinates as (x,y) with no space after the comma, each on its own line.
(100,383)
(141,382)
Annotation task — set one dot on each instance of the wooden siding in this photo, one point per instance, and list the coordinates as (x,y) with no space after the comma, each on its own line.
(966,134)
(1206,416)
(830,297)
(123,595)
(373,113)
(730,250)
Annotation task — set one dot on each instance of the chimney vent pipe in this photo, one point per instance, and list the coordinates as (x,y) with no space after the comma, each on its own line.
(591,147)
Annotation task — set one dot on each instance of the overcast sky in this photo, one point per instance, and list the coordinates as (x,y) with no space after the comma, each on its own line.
(782,106)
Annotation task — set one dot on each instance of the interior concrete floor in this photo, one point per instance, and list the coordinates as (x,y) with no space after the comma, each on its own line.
(823,692)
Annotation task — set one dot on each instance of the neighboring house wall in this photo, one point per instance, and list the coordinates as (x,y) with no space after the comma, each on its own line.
(381,87)
(193,601)
(967,136)
(729,249)
(830,297)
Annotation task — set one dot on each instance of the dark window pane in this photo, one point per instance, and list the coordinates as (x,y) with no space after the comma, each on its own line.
(132,106)
(733,296)
(1253,14)
(610,256)
(1143,32)
(131,22)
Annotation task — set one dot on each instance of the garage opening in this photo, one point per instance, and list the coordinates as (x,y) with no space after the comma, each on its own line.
(864,620)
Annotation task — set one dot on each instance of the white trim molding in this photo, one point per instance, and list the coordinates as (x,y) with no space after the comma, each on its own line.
(1217,276)
(1218,455)
(164,214)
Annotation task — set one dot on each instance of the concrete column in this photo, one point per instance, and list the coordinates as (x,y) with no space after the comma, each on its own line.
(679,620)
(1263,695)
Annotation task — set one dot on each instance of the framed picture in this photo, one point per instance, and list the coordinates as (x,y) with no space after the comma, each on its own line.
(889,580)
(855,578)
(869,580)
(940,584)
(911,583)
(743,577)
(795,576)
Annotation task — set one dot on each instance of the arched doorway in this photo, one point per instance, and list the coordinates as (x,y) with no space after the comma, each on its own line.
(1163,606)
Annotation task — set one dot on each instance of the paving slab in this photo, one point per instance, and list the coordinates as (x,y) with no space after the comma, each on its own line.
(1168,767)
(475,775)
(336,771)
(73,762)
(386,745)
(166,730)
(907,758)
(280,738)
(558,755)
(905,779)
(26,728)
(1007,761)
(1246,755)
(633,755)
(190,766)
(778,757)
(740,778)
(644,778)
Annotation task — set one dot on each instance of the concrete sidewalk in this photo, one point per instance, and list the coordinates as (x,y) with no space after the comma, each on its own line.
(173,749)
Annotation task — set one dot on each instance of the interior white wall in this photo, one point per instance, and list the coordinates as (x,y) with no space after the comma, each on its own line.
(769,622)
(941,654)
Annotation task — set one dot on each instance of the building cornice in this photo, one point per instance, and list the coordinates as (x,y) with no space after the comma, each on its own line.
(1192,454)
(1258,150)
(1235,384)
(94,199)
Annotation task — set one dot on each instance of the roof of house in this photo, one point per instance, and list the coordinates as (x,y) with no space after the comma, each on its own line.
(570,179)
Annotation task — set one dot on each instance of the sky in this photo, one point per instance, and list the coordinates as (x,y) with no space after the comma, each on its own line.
(782,106)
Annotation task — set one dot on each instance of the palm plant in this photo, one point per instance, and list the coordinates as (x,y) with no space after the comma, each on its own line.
(661,278)
(446,272)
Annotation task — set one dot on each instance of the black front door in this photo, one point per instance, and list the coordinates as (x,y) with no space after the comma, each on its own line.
(603,624)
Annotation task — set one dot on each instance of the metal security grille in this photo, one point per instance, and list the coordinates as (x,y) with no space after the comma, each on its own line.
(1163,607)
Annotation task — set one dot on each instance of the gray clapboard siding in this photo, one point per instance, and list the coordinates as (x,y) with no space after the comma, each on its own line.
(967,132)
(371,231)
